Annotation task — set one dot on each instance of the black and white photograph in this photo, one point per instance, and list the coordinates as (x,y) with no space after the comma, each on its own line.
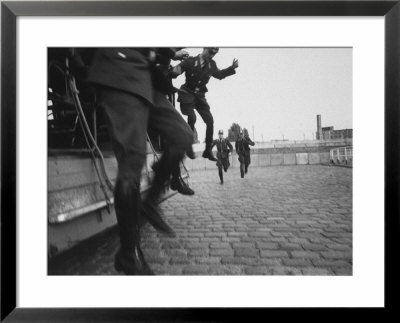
(178,155)
(200,161)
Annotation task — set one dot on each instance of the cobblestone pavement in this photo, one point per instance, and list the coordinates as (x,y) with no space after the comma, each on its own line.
(288,220)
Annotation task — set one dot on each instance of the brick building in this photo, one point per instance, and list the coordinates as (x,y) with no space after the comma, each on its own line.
(327,133)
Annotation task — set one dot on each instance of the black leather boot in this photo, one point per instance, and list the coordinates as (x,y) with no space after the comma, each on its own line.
(132,262)
(152,213)
(129,259)
(178,184)
(221,176)
(207,153)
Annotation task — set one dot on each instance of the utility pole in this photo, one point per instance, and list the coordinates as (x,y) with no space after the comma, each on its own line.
(253,132)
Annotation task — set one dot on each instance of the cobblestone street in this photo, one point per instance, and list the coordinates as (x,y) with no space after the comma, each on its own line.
(283,220)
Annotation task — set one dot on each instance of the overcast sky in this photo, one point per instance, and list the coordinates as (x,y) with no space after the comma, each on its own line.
(279,91)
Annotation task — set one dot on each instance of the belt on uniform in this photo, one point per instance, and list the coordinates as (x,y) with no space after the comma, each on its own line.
(195,90)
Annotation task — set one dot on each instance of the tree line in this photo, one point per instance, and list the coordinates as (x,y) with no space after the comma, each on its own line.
(233,132)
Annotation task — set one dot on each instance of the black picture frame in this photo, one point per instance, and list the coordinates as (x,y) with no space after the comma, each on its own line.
(11,10)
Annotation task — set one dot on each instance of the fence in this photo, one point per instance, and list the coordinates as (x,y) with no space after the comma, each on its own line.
(342,156)
(261,158)
(295,153)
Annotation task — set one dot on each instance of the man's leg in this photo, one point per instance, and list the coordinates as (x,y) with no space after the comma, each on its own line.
(242,170)
(204,110)
(187,109)
(167,122)
(226,164)
(129,258)
(220,165)
(127,118)
(247,162)
(177,182)
(241,161)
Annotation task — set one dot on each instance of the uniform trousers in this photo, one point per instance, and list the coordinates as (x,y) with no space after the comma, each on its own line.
(190,102)
(244,157)
(223,161)
(129,118)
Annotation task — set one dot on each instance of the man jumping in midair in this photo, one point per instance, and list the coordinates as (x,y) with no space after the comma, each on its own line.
(198,71)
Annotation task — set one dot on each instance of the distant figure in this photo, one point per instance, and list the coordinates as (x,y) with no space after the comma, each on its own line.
(134,100)
(224,148)
(198,71)
(243,150)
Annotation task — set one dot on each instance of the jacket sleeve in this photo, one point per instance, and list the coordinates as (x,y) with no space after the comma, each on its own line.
(250,142)
(167,52)
(179,69)
(221,74)
(175,71)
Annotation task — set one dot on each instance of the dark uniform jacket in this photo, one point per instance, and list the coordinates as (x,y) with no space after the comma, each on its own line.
(242,145)
(197,77)
(162,79)
(128,69)
(224,147)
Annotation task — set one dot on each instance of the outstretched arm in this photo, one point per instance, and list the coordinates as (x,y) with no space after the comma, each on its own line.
(176,71)
(221,74)
(182,66)
(180,55)
(250,142)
